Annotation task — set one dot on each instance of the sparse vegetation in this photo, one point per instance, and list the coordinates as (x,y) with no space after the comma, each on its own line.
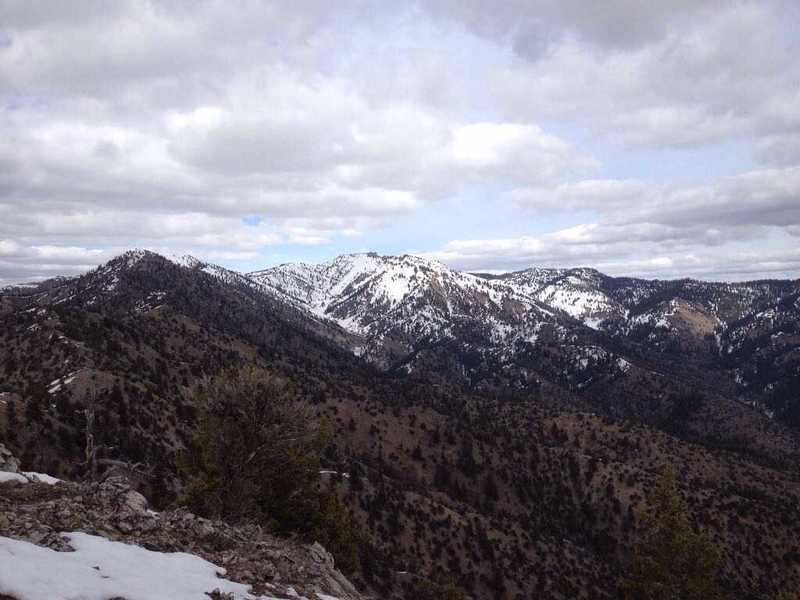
(256,457)
(672,561)
(439,477)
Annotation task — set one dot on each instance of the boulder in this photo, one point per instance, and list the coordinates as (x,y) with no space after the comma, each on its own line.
(7,460)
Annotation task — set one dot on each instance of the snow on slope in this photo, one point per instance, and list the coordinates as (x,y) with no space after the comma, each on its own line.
(6,476)
(375,296)
(401,306)
(577,292)
(100,569)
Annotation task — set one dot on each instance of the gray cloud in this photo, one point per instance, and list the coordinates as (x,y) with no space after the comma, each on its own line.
(727,70)
(779,150)
(614,24)
(738,227)
(764,197)
(225,128)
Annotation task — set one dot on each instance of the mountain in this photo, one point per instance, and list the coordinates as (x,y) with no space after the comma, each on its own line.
(577,330)
(581,293)
(469,437)
(414,314)
(394,302)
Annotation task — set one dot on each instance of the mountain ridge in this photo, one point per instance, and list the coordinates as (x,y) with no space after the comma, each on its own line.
(469,454)
(399,311)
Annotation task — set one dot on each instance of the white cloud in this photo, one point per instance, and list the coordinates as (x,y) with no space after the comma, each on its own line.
(727,70)
(225,128)
(738,226)
(620,257)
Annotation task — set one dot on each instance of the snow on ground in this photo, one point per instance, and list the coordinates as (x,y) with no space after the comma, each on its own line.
(67,379)
(100,569)
(41,477)
(329,472)
(592,322)
(28,476)
(5,476)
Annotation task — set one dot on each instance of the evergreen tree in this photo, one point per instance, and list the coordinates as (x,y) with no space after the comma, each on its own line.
(440,587)
(257,451)
(37,397)
(256,458)
(673,562)
(12,423)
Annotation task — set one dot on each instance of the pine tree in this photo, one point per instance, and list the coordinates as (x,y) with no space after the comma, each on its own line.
(257,451)
(673,562)
(12,423)
(256,457)
(37,397)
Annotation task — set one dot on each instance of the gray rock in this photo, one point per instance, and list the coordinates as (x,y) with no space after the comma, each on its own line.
(7,460)
(113,509)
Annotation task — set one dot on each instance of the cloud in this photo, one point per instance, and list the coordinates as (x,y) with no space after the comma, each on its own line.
(779,150)
(598,195)
(28,263)
(170,123)
(226,129)
(615,24)
(769,197)
(737,226)
(620,257)
(697,75)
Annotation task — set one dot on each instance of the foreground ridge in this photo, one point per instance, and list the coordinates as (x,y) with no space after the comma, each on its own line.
(143,554)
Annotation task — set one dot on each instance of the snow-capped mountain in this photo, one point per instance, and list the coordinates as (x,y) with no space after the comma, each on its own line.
(575,326)
(581,293)
(412,312)
(576,329)
(380,297)
(371,294)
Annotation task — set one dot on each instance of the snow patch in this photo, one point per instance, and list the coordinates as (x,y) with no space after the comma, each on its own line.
(6,476)
(99,569)
(41,477)
(28,477)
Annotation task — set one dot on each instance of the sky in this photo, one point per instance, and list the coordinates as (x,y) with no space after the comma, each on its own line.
(654,139)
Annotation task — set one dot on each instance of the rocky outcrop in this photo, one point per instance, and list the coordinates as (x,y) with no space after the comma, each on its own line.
(7,461)
(272,566)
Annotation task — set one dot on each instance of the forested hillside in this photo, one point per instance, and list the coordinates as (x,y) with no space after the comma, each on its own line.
(505,487)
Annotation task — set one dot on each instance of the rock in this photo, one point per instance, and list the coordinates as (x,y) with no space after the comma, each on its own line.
(320,555)
(134,502)
(7,461)
(113,509)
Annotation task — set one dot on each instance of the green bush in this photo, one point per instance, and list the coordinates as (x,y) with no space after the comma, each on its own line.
(673,561)
(439,588)
(255,457)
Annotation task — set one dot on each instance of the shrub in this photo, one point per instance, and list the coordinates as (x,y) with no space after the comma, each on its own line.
(439,588)
(673,561)
(255,457)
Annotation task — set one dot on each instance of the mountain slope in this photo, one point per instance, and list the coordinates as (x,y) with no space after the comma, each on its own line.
(577,330)
(417,314)
(507,488)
